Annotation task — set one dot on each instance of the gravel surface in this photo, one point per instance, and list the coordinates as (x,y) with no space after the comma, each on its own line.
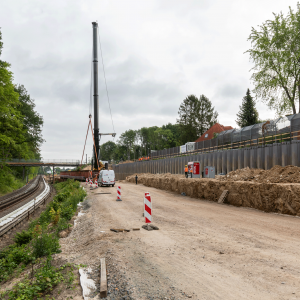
(202,250)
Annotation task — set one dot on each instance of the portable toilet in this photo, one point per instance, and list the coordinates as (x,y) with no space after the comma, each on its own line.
(209,172)
(194,169)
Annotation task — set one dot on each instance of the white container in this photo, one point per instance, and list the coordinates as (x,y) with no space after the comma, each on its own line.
(106,177)
(183,149)
(190,146)
(209,172)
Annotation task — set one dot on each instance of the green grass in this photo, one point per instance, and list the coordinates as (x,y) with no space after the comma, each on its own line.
(36,245)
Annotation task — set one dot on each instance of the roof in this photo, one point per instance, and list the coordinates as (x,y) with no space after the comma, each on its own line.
(209,134)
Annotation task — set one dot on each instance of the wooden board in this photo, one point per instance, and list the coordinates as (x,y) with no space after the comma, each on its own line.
(223,196)
(117,229)
(103,280)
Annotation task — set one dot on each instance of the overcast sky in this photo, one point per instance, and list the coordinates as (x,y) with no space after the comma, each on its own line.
(156,52)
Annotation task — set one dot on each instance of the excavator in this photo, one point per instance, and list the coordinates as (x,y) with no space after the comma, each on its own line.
(264,128)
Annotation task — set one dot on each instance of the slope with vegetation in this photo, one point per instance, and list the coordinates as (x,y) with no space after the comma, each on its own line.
(33,248)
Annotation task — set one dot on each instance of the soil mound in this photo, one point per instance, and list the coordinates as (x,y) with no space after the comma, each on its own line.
(278,174)
(254,188)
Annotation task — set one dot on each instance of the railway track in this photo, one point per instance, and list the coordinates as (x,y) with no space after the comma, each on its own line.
(21,194)
(20,204)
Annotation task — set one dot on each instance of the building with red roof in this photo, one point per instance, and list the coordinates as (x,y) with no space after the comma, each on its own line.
(209,134)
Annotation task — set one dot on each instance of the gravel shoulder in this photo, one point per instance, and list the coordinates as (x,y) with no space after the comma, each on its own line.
(202,250)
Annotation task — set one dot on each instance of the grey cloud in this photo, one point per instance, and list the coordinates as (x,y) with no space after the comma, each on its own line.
(155,54)
(232,90)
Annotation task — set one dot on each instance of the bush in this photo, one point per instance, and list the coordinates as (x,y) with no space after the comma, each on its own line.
(45,244)
(45,277)
(67,212)
(22,238)
(61,196)
(11,258)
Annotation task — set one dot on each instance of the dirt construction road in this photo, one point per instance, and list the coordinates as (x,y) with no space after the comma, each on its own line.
(202,250)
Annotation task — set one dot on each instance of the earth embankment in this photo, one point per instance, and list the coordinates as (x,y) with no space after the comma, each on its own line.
(266,196)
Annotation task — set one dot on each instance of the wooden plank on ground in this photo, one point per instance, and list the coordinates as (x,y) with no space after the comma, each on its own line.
(103,280)
(223,196)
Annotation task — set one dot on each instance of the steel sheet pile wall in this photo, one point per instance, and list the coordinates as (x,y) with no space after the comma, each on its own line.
(240,158)
(295,149)
(260,157)
(266,157)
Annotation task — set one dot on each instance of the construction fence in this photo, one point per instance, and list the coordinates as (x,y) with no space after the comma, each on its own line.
(262,156)
(283,129)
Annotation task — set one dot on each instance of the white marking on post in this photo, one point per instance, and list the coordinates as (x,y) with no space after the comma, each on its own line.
(147,208)
(119,194)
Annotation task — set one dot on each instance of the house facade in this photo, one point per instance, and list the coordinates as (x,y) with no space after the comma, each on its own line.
(209,134)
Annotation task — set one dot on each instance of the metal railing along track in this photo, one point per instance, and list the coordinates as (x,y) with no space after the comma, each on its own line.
(20,194)
(14,218)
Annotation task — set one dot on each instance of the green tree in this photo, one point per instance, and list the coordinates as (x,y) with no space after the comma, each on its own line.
(20,128)
(275,53)
(195,117)
(165,138)
(32,121)
(107,151)
(207,116)
(57,170)
(248,114)
(148,138)
(11,127)
(120,153)
(175,129)
(128,139)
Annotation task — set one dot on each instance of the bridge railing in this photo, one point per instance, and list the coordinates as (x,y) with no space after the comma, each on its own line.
(44,161)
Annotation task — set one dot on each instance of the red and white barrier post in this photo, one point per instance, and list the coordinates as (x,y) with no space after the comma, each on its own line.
(91,183)
(147,208)
(86,181)
(96,182)
(119,194)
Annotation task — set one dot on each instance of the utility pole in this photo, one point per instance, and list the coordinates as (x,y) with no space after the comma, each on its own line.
(96,97)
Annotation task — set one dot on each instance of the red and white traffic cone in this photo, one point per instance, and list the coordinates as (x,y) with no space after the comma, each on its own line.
(147,208)
(119,194)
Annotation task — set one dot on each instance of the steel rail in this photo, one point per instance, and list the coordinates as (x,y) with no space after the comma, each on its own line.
(20,195)
(9,221)
(21,190)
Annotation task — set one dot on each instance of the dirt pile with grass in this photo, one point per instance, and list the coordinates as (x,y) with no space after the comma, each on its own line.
(278,174)
(265,196)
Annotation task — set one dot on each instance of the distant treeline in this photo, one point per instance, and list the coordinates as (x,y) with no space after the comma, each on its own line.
(195,116)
